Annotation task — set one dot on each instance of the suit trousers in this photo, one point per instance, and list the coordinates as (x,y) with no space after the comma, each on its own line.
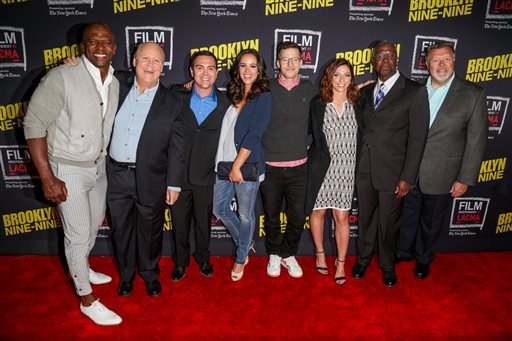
(422,221)
(81,214)
(379,218)
(194,202)
(137,227)
(287,183)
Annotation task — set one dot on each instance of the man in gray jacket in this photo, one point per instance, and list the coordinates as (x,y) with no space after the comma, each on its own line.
(67,127)
(451,162)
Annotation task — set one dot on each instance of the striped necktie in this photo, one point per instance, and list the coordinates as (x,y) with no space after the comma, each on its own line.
(380,96)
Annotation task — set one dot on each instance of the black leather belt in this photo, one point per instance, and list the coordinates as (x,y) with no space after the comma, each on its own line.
(125,165)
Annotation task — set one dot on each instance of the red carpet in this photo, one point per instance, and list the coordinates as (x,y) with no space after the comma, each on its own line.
(466,296)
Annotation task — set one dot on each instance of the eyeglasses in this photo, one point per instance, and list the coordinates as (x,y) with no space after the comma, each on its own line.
(294,60)
(382,56)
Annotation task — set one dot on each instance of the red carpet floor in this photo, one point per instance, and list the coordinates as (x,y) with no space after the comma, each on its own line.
(467,296)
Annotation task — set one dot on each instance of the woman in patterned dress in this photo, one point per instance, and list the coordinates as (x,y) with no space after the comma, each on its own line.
(331,161)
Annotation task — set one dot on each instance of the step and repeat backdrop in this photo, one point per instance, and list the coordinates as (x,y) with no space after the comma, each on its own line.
(35,35)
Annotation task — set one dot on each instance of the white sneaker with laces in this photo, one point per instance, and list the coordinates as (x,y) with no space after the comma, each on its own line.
(98,278)
(274,266)
(294,269)
(100,314)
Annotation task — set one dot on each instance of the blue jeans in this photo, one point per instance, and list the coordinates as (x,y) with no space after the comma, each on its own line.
(240,227)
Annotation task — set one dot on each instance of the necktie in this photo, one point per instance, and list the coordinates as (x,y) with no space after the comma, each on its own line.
(380,95)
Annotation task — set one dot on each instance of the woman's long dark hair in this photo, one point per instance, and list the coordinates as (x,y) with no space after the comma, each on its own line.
(326,91)
(236,87)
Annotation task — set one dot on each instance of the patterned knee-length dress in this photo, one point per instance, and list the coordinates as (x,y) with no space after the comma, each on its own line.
(340,130)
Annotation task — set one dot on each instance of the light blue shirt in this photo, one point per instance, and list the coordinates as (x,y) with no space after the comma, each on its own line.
(436,97)
(129,122)
(202,106)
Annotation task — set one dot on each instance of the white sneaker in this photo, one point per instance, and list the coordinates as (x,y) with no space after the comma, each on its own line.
(98,278)
(100,314)
(293,267)
(274,266)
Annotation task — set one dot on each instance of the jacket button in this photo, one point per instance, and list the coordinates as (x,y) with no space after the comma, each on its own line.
(82,135)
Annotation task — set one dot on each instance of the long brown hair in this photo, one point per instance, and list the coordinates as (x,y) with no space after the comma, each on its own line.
(326,92)
(236,87)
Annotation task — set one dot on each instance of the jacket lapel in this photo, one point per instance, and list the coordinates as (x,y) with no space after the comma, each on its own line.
(448,100)
(189,118)
(220,106)
(125,89)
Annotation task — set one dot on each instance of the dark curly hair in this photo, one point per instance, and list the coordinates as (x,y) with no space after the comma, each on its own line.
(236,87)
(326,92)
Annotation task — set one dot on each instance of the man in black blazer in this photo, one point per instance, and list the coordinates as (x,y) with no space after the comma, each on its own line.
(451,162)
(144,168)
(393,118)
(202,112)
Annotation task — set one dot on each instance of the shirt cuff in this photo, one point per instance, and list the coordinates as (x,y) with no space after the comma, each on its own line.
(176,189)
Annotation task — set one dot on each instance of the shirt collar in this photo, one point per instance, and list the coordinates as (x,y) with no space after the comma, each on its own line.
(430,87)
(95,72)
(147,92)
(390,81)
(288,85)
(211,97)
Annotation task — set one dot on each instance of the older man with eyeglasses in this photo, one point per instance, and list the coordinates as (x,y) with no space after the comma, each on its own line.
(393,116)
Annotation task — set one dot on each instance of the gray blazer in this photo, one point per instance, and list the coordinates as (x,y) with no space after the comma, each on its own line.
(456,140)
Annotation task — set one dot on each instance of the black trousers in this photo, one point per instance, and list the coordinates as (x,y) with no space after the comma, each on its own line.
(137,229)
(194,202)
(379,219)
(287,183)
(422,221)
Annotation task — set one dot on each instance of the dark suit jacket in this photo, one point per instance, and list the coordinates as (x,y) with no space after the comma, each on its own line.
(160,156)
(200,140)
(395,133)
(319,158)
(456,140)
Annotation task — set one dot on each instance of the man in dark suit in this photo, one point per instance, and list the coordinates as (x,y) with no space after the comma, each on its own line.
(451,162)
(393,118)
(144,168)
(202,112)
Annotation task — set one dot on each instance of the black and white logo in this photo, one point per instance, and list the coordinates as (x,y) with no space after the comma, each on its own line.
(308,40)
(419,57)
(468,216)
(497,108)
(161,35)
(12,50)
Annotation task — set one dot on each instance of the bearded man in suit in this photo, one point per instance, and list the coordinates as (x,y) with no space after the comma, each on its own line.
(451,162)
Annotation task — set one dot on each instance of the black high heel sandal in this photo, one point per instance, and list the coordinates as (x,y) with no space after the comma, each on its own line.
(320,269)
(337,280)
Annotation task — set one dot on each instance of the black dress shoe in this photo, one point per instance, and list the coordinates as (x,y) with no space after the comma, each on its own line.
(125,288)
(421,270)
(399,259)
(358,271)
(389,278)
(153,288)
(206,269)
(178,273)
